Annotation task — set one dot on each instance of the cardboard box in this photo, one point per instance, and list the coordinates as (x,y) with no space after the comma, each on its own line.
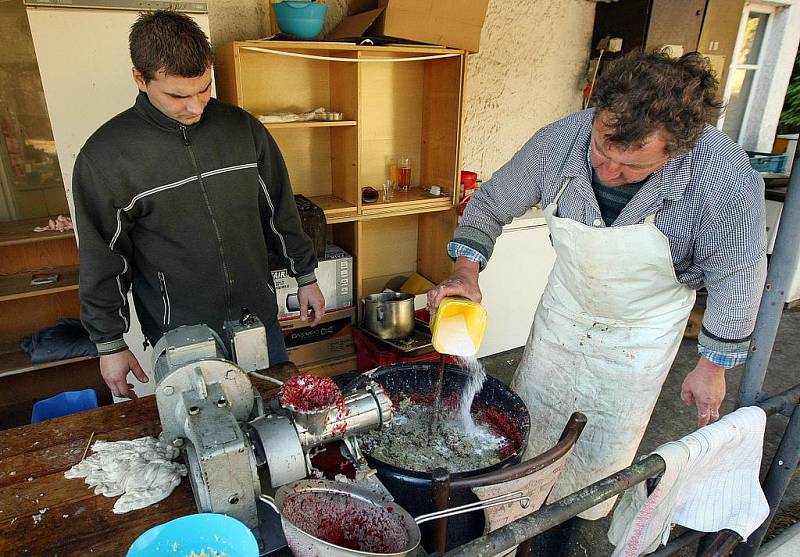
(332,338)
(453,23)
(335,279)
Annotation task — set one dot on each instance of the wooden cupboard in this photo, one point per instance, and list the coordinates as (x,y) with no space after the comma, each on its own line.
(396,101)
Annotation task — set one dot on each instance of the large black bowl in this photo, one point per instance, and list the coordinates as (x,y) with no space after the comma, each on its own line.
(412,489)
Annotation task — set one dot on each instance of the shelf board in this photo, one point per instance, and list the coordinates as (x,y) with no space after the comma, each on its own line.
(310,124)
(336,209)
(21,232)
(415,200)
(18,285)
(14,361)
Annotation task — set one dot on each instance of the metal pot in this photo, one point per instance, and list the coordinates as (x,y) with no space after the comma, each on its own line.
(389,315)
(344,513)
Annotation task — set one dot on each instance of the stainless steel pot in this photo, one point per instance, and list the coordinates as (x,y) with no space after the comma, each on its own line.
(370,524)
(390,315)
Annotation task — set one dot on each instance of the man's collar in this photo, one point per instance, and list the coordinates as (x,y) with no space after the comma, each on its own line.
(145,108)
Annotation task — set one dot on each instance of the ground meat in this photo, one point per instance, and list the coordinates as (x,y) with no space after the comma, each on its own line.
(307,393)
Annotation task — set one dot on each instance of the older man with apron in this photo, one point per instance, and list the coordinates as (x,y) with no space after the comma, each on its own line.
(612,316)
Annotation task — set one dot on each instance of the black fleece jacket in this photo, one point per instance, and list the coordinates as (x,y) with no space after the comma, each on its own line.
(184,215)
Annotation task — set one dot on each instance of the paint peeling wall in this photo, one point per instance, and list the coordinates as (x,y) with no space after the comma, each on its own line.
(529,72)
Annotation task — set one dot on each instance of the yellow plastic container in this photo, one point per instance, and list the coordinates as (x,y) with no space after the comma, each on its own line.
(458,326)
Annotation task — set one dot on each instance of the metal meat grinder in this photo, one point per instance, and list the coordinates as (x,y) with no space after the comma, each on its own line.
(236,444)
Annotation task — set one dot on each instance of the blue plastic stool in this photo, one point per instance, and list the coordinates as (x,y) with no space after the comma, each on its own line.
(209,532)
(62,404)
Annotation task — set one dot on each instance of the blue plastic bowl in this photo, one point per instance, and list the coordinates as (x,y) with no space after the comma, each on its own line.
(196,532)
(300,19)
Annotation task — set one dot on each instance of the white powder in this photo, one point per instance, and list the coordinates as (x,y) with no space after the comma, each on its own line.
(453,337)
(474,384)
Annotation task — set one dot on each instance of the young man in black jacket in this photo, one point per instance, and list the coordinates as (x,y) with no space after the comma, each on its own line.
(179,197)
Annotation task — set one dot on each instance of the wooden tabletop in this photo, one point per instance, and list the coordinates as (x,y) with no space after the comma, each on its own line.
(44,514)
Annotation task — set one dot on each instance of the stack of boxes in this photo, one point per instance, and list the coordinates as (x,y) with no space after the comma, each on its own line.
(333,337)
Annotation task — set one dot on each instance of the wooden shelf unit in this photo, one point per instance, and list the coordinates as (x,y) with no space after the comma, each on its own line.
(392,107)
(26,309)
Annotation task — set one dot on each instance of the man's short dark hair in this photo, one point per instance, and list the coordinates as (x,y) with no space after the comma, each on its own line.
(641,94)
(170,42)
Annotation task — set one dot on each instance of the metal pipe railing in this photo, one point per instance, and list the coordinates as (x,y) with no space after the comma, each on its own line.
(782,264)
(505,538)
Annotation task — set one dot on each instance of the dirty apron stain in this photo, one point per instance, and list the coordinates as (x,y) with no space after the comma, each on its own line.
(604,336)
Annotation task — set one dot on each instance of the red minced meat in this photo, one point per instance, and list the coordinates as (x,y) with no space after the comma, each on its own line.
(308,393)
(346,522)
(507,427)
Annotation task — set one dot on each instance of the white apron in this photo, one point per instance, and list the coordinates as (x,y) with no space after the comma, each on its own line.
(604,336)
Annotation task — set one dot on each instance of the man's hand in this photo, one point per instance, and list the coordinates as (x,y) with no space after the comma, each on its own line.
(705,387)
(115,367)
(311,298)
(463,282)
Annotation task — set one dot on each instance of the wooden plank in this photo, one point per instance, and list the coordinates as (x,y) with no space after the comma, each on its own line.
(391,107)
(307,153)
(16,361)
(18,285)
(435,231)
(311,124)
(55,252)
(406,202)
(441,124)
(322,48)
(333,206)
(21,232)
(274,83)
(388,247)
(225,74)
(26,318)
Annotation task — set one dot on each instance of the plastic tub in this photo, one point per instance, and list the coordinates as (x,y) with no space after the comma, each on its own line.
(209,532)
(303,20)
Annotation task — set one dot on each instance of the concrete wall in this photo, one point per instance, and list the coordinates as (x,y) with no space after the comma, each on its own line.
(237,20)
(529,71)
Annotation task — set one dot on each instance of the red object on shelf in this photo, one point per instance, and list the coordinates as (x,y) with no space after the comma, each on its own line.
(371,353)
(469,179)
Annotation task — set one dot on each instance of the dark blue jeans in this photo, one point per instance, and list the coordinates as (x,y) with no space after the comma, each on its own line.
(275,345)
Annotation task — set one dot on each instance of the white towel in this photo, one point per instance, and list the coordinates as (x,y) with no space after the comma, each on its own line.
(141,471)
(710,484)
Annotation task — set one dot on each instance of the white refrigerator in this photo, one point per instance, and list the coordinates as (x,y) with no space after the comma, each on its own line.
(514,280)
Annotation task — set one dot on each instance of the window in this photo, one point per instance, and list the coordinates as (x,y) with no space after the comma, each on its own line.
(744,71)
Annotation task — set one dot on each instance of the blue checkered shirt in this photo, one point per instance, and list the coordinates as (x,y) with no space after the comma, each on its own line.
(709,203)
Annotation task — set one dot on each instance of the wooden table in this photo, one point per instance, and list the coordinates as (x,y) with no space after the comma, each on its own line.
(75,521)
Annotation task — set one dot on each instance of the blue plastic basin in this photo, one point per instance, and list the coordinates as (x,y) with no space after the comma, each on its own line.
(196,532)
(300,19)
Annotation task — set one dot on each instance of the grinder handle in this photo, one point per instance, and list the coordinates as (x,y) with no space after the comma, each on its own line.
(269,501)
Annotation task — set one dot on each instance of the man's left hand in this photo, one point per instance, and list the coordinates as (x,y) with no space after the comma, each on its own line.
(705,387)
(311,298)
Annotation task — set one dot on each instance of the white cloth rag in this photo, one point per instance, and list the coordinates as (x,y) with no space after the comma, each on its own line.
(710,484)
(141,471)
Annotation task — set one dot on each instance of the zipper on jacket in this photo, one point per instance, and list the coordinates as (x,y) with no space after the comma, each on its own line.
(221,250)
(162,281)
